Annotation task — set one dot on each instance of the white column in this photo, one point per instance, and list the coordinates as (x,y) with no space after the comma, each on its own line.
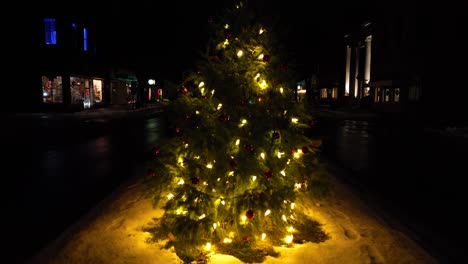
(368,59)
(348,66)
(356,73)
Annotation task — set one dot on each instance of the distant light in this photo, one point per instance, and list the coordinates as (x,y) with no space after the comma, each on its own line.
(151,81)
(85,39)
(74,25)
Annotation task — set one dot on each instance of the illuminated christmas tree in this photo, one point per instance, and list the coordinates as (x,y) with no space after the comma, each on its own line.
(237,157)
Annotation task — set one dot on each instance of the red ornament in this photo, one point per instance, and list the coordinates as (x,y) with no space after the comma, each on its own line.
(233,164)
(183,90)
(223,118)
(156,151)
(266,58)
(195,180)
(250,214)
(268,174)
(151,173)
(249,147)
(276,135)
(178,130)
(305,149)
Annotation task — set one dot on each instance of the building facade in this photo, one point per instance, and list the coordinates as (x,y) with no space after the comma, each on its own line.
(383,69)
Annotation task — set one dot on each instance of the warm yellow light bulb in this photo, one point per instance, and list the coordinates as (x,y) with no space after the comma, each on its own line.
(170,196)
(237,142)
(267,212)
(208,246)
(254,178)
(289,239)
(293,205)
(214,225)
(261,31)
(243,218)
(262,155)
(201,84)
(260,57)
(291,229)
(294,119)
(209,166)
(281,89)
(219,106)
(181,182)
(263,236)
(226,26)
(202,216)
(227,240)
(284,218)
(263,84)
(283,173)
(240,53)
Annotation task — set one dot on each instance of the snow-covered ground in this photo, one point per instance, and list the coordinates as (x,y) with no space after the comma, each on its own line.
(110,233)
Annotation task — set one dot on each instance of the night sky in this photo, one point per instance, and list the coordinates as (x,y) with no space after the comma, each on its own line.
(163,38)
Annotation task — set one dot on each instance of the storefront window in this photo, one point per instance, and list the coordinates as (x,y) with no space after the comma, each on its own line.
(80,90)
(97,91)
(52,89)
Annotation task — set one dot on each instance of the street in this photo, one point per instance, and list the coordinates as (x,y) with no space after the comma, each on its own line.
(57,169)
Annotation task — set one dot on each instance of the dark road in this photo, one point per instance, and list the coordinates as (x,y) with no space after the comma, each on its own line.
(58,169)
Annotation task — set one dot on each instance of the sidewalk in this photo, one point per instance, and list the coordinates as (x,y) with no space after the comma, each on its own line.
(325,111)
(111,111)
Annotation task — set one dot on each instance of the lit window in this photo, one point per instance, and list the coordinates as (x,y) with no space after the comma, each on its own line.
(85,39)
(50,33)
(397,95)
(335,93)
(323,93)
